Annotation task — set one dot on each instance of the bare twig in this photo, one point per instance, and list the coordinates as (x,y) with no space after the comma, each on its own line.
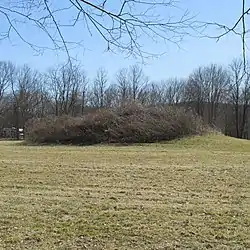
(123,28)
(235,29)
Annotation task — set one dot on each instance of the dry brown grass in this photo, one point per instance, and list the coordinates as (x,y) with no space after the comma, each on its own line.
(189,194)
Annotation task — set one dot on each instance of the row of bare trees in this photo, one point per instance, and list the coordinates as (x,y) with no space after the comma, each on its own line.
(221,95)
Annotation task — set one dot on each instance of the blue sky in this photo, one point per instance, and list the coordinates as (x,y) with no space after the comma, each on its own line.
(176,62)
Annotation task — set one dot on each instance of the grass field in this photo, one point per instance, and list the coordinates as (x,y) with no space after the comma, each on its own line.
(187,194)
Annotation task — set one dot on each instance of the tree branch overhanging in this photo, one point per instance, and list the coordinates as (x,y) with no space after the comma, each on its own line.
(123,25)
(239,28)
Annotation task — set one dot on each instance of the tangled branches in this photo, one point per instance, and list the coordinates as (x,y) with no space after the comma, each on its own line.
(123,25)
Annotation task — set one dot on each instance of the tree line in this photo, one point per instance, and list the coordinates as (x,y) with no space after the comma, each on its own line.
(220,95)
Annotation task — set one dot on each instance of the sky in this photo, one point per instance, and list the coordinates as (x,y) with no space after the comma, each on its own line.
(176,62)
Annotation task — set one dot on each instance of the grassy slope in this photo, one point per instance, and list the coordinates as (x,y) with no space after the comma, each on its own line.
(186,194)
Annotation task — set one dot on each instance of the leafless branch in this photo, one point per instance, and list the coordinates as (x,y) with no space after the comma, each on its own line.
(235,29)
(123,25)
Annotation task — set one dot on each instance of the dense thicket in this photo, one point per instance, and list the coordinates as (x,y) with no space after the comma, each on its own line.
(132,123)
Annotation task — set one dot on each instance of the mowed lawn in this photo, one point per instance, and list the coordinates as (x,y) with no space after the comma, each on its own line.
(188,194)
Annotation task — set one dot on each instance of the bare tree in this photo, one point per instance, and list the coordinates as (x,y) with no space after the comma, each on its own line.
(111,96)
(99,88)
(53,86)
(240,95)
(64,84)
(6,71)
(78,90)
(123,85)
(122,25)
(174,90)
(206,88)
(84,90)
(44,106)
(138,82)
(195,92)
(153,94)
(217,83)
(245,104)
(24,85)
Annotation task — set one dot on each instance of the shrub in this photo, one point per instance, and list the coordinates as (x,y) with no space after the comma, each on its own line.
(130,124)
